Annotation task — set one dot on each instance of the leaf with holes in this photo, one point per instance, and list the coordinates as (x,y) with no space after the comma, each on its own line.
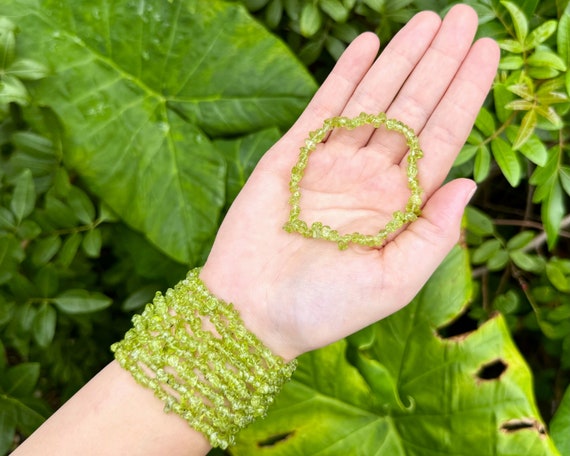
(141,89)
(410,391)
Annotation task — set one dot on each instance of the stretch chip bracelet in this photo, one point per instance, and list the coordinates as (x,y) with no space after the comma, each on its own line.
(220,379)
(318,230)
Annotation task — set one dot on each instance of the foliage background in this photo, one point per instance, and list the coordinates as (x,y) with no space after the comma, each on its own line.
(127,130)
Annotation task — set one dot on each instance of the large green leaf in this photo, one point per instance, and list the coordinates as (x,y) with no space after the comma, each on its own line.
(412,391)
(561,423)
(142,87)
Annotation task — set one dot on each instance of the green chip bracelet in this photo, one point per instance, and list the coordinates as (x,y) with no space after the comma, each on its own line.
(318,230)
(193,350)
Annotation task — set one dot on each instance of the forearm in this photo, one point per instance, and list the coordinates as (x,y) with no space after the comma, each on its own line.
(113,415)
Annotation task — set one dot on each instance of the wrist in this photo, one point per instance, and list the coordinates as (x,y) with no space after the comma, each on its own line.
(249,299)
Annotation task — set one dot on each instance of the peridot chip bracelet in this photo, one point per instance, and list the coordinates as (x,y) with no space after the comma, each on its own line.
(219,379)
(318,230)
(193,350)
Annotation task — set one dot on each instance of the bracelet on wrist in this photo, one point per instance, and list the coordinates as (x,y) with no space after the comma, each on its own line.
(193,350)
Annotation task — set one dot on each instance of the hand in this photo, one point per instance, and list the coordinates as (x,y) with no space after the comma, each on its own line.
(299,294)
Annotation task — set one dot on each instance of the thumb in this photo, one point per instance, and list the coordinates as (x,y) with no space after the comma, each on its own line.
(423,245)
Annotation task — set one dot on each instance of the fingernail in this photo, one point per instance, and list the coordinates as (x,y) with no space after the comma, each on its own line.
(469,195)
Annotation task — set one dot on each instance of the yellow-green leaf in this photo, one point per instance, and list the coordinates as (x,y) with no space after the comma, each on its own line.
(540,34)
(546,59)
(526,129)
(311,20)
(24,197)
(507,160)
(482,164)
(520,21)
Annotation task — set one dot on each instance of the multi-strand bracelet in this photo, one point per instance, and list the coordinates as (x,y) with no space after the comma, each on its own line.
(318,230)
(194,352)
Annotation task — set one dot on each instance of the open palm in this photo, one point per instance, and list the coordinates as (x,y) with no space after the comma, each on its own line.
(298,294)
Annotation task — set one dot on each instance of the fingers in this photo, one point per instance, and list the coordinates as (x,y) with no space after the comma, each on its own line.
(385,79)
(452,120)
(429,81)
(339,86)
(358,83)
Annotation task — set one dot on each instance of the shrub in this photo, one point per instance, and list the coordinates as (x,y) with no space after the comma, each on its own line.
(125,135)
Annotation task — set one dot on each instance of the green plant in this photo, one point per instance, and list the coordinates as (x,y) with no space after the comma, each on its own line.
(125,133)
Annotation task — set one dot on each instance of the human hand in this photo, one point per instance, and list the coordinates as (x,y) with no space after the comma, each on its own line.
(299,294)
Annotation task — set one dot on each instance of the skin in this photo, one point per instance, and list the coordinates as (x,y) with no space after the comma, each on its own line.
(296,294)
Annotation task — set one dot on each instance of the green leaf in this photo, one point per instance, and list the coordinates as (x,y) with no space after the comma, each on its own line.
(482,164)
(24,197)
(47,280)
(81,205)
(61,184)
(535,150)
(274,13)
(59,213)
(520,105)
(511,62)
(527,262)
(485,251)
(11,255)
(139,298)
(528,124)
(551,115)
(485,122)
(557,277)
(524,88)
(7,220)
(28,70)
(44,325)
(423,395)
(545,176)
(478,222)
(311,20)
(467,153)
(141,93)
(520,240)
(544,72)
(502,97)
(8,422)
(346,32)
(242,155)
(519,20)
(552,212)
(43,250)
(546,59)
(7,42)
(335,9)
(334,46)
(511,46)
(69,249)
(564,174)
(12,90)
(507,160)
(77,301)
(375,5)
(563,36)
(498,260)
(540,34)
(21,380)
(92,242)
(506,303)
(560,424)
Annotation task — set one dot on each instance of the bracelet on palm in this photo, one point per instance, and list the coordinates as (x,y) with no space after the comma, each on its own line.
(318,230)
